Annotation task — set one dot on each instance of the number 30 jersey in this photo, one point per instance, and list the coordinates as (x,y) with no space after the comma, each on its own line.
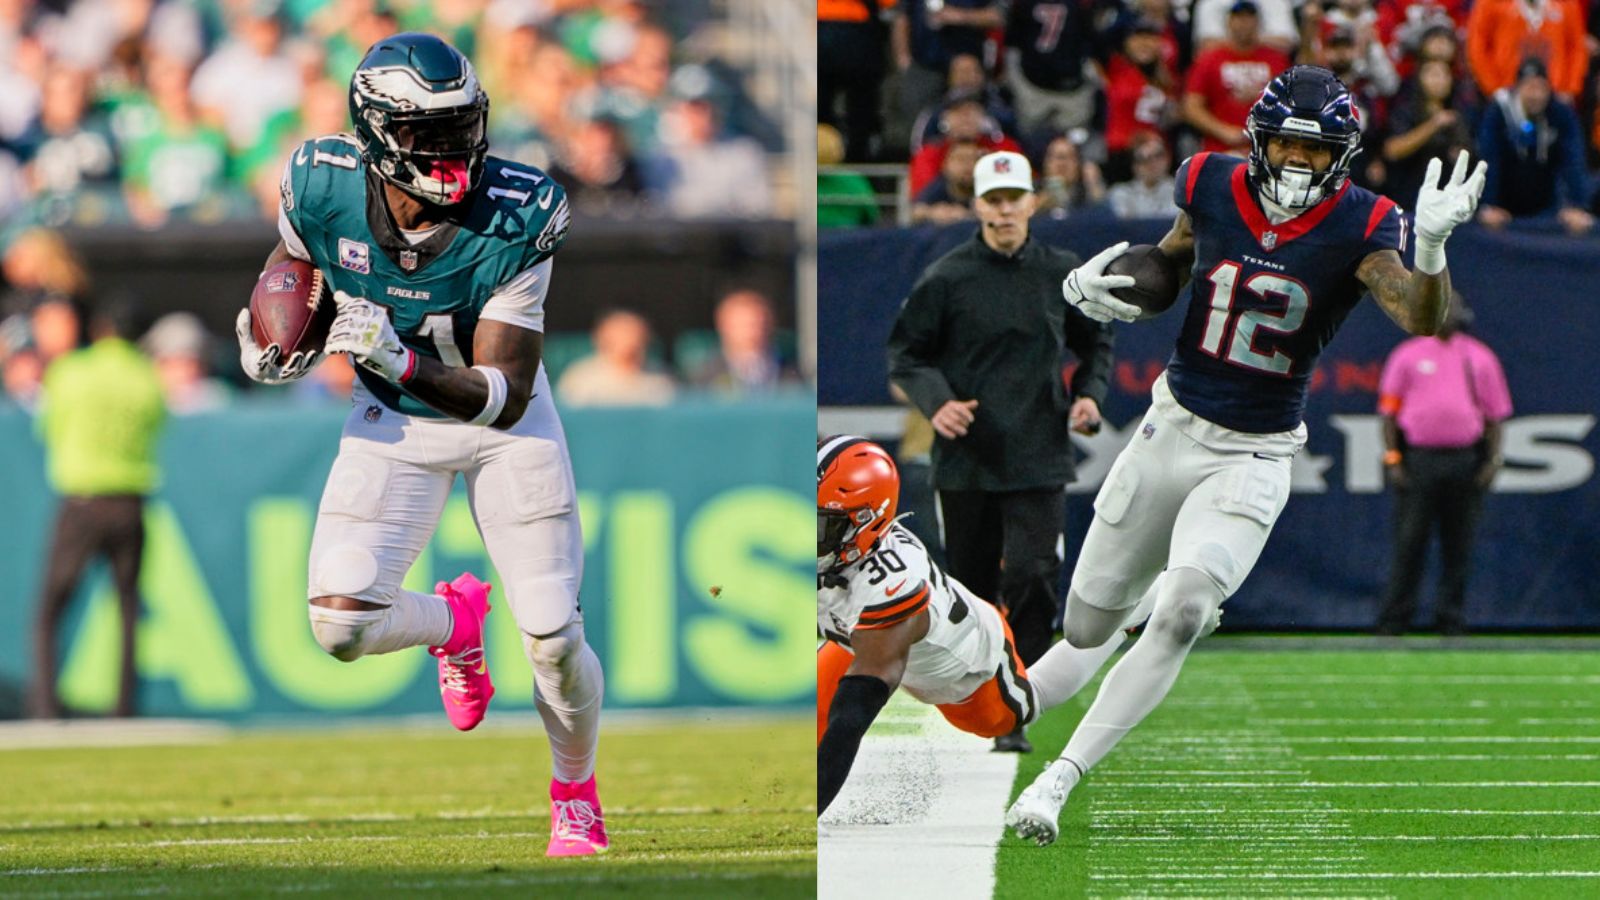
(438,288)
(1266,299)
(966,642)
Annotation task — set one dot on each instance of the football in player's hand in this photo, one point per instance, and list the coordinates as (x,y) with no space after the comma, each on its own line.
(290,307)
(1155,279)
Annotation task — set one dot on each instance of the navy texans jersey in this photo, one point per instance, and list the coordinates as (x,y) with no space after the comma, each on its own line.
(1265,299)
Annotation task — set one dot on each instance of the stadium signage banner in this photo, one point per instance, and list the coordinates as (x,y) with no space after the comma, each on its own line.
(673,501)
(1538,553)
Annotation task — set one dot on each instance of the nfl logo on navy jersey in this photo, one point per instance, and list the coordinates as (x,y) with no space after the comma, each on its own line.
(1269,240)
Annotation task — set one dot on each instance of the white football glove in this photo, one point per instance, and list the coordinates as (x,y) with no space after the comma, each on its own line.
(1441,209)
(1089,289)
(363,330)
(261,363)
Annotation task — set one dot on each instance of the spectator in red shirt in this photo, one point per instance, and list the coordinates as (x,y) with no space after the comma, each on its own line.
(1443,399)
(1226,80)
(1140,90)
(963,119)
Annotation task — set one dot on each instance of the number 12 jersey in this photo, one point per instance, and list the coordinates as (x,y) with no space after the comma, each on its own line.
(1266,299)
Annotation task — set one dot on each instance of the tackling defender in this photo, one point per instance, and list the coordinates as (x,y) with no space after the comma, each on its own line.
(1281,247)
(440,259)
(893,618)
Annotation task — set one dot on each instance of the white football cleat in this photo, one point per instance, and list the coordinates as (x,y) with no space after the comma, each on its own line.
(1035,815)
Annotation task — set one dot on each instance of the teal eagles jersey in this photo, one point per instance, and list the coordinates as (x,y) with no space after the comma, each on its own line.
(515,218)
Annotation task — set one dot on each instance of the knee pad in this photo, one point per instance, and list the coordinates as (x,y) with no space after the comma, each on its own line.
(344,570)
(1188,601)
(1087,625)
(556,650)
(341,631)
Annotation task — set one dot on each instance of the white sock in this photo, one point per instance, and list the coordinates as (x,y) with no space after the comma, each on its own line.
(1064,669)
(1139,682)
(568,697)
(412,620)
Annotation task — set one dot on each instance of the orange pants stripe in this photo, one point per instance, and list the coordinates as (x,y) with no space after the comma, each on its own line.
(985,712)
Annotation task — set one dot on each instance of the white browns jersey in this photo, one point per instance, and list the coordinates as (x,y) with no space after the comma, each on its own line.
(966,644)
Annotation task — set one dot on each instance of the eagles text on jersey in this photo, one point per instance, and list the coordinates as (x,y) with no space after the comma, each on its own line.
(514,218)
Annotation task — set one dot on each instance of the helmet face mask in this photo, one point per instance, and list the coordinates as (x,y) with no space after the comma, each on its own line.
(1306,103)
(421,118)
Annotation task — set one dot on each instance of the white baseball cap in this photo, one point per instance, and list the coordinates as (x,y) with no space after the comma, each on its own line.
(1003,169)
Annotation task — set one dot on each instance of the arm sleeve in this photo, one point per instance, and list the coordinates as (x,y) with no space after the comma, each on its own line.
(1092,343)
(855,704)
(520,301)
(286,230)
(1183,183)
(1386,228)
(914,345)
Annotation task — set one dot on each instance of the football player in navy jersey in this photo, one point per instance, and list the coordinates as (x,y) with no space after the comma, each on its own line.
(1280,247)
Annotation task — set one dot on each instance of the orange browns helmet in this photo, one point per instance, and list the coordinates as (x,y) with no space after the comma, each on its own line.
(858,490)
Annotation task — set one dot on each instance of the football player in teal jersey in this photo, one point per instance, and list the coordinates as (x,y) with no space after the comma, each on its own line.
(439,257)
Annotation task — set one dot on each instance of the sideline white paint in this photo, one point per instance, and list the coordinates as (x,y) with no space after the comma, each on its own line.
(920,816)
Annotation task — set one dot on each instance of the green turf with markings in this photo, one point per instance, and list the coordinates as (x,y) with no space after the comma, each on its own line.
(1421,772)
(696,807)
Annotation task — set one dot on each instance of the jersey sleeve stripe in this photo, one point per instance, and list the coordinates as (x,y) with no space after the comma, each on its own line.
(870,624)
(1379,210)
(1195,162)
(889,606)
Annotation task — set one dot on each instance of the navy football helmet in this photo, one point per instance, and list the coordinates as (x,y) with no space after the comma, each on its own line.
(420,116)
(1308,103)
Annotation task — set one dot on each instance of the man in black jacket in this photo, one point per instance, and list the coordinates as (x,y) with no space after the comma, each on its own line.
(978,348)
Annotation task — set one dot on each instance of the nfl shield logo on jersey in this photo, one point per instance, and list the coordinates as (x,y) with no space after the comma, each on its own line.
(374,413)
(408,260)
(1269,239)
(353,255)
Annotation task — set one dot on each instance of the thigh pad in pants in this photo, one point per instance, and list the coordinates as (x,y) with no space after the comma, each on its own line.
(1227,518)
(526,509)
(1127,543)
(376,516)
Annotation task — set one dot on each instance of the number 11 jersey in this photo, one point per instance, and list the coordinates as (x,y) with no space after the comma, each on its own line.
(1266,299)
(488,260)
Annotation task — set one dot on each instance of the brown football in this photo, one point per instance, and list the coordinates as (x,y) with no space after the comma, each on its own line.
(290,307)
(1155,279)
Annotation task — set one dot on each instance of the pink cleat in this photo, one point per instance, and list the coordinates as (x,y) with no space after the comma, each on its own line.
(577,827)
(463,675)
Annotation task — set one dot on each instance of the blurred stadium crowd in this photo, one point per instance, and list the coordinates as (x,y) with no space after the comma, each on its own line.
(151,110)
(148,113)
(1107,96)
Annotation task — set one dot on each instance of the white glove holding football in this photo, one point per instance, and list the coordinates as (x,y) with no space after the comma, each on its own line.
(1089,289)
(261,363)
(363,330)
(1441,208)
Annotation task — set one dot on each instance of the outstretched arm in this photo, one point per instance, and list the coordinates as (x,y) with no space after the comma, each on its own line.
(1415,300)
(880,662)
(1418,300)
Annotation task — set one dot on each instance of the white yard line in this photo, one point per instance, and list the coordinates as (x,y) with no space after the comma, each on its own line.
(921,815)
(1314,876)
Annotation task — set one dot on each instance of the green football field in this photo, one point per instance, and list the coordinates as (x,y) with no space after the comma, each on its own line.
(696,806)
(1427,772)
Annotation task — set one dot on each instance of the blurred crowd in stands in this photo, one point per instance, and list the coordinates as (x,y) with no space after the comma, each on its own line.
(1107,96)
(150,111)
